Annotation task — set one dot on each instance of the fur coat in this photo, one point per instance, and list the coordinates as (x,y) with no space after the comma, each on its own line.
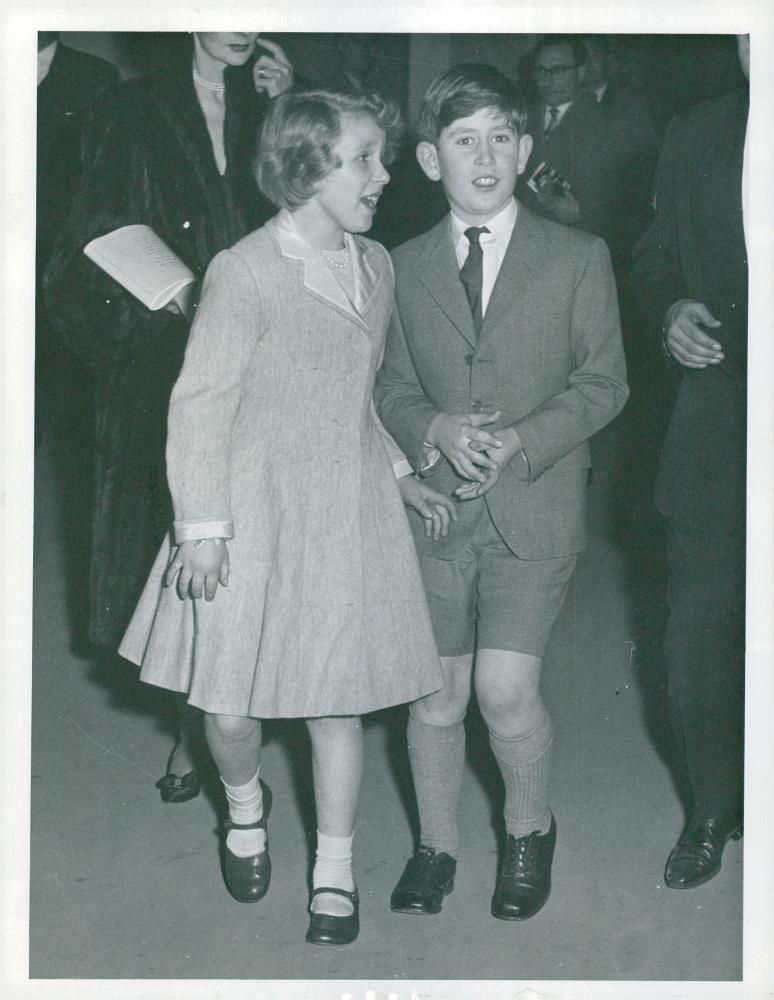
(146,158)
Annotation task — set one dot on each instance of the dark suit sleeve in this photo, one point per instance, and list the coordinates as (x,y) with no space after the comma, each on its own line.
(93,315)
(596,388)
(403,407)
(656,276)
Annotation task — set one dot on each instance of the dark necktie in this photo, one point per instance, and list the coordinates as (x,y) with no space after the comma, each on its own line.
(553,121)
(472,274)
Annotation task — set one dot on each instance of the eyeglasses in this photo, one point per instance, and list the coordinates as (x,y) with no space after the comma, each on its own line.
(554,72)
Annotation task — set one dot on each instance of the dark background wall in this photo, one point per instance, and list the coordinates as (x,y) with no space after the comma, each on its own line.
(671,71)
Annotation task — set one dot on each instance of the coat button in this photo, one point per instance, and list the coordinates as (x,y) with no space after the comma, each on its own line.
(186,224)
(477,406)
(468,359)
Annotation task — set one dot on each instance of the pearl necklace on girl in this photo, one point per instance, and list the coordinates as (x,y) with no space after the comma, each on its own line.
(336,258)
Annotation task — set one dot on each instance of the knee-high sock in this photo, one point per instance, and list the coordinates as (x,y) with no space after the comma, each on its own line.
(437,756)
(524,764)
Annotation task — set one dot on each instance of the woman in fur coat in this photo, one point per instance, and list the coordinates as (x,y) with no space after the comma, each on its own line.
(173,150)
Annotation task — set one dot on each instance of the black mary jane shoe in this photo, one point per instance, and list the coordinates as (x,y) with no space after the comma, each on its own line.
(324,928)
(698,854)
(179,787)
(247,879)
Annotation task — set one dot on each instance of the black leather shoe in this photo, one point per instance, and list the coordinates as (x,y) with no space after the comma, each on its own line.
(427,878)
(247,879)
(325,928)
(524,880)
(697,856)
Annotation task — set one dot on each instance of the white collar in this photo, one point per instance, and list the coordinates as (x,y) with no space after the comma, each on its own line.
(500,227)
(561,108)
(45,58)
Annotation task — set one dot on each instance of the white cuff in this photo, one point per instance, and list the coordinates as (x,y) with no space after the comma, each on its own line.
(402,468)
(191,531)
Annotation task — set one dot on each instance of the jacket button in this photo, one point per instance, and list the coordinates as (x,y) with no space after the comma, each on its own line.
(468,359)
(186,224)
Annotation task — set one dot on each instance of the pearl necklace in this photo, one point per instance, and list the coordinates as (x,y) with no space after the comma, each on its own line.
(217,88)
(339,262)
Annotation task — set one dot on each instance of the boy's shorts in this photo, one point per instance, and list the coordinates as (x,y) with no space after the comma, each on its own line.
(490,599)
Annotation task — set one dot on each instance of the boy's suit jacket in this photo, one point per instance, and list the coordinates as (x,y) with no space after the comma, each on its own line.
(549,356)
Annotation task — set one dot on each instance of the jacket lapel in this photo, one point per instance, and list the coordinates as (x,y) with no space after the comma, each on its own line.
(519,272)
(440,277)
(316,277)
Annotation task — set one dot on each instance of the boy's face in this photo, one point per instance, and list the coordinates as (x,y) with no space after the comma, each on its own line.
(478,160)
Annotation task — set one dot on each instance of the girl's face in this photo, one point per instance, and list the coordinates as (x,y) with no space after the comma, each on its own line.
(232,48)
(345,200)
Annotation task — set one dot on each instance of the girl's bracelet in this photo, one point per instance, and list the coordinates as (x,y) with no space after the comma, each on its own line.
(200,541)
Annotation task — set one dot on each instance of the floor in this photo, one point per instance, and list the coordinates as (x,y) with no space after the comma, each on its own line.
(125,887)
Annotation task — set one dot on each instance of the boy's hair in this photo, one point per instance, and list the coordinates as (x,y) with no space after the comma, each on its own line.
(465,89)
(574,41)
(295,150)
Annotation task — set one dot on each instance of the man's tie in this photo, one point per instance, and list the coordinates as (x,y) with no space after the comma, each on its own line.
(553,121)
(472,274)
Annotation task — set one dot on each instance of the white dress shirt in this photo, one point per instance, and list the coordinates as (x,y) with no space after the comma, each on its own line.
(493,245)
(547,116)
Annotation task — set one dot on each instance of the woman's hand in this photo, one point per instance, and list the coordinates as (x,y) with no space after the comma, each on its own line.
(272,72)
(433,507)
(199,566)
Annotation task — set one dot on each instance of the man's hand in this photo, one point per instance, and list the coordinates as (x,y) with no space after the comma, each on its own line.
(433,507)
(198,567)
(511,446)
(685,340)
(463,443)
(273,72)
(563,207)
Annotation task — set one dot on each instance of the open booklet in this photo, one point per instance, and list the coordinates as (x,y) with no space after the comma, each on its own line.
(547,180)
(143,263)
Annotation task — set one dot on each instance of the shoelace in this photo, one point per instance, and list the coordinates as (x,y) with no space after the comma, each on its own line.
(518,861)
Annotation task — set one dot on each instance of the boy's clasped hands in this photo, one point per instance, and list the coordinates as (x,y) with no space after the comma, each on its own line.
(475,453)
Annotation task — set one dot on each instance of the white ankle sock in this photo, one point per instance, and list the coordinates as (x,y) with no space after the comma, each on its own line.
(333,867)
(245,805)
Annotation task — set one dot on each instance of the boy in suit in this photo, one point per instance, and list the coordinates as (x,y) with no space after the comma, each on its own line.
(503,357)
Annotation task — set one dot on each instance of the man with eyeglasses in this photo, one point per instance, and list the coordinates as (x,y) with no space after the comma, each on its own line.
(596,155)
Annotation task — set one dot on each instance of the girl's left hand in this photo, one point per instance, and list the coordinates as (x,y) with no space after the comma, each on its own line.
(272,72)
(433,507)
(199,568)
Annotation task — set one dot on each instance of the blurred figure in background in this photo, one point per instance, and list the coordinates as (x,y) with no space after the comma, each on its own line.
(605,161)
(172,150)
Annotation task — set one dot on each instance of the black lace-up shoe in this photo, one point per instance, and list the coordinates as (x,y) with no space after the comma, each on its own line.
(428,877)
(524,879)
(697,856)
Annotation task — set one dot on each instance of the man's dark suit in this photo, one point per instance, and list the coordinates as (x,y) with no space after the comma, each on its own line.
(695,250)
(607,160)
